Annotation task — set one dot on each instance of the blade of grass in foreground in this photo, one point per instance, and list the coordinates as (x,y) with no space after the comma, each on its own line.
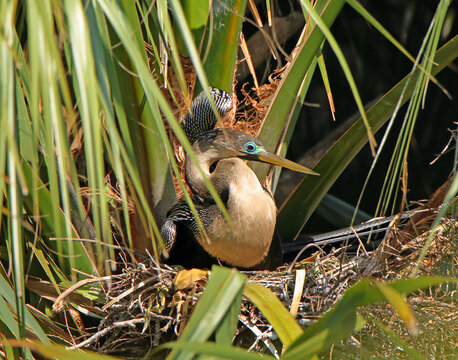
(217,351)
(278,316)
(222,290)
(59,352)
(342,320)
(8,293)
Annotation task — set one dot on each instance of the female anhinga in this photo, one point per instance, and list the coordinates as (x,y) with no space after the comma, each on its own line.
(250,205)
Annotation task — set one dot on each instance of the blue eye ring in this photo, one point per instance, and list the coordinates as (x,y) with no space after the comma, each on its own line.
(251,147)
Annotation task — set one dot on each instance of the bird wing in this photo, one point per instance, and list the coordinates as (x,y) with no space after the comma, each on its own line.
(201,118)
(180,213)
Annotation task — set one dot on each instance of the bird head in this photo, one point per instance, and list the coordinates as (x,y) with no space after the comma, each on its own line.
(226,143)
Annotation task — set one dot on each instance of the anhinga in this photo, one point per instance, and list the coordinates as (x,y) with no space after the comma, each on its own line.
(250,205)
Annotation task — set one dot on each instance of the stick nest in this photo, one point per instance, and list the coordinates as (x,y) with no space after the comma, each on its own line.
(145,305)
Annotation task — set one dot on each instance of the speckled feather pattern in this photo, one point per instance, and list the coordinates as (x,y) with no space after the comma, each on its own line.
(251,208)
(201,117)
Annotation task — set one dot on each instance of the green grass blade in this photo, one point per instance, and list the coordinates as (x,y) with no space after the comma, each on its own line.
(222,290)
(89,109)
(219,58)
(342,320)
(291,121)
(321,340)
(226,26)
(326,83)
(373,21)
(170,43)
(408,285)
(346,69)
(397,340)
(289,88)
(278,316)
(225,332)
(311,190)
(8,293)
(8,318)
(15,236)
(214,351)
(196,12)
(61,353)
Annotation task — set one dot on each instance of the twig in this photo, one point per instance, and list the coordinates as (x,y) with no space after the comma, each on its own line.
(259,336)
(57,306)
(105,331)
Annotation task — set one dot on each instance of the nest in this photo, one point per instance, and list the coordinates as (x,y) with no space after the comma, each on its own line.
(147,304)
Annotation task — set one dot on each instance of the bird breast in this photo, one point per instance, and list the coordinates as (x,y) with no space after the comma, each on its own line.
(253,215)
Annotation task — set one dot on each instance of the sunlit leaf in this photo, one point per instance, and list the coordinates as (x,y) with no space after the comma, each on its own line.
(278,316)
(222,291)
(342,320)
(215,350)
(401,307)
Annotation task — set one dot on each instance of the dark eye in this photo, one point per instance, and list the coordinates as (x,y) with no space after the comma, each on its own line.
(250,147)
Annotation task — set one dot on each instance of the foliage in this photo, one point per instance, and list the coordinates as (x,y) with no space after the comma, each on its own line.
(91,93)
(337,324)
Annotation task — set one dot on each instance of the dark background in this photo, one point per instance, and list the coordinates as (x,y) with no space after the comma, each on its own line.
(376,66)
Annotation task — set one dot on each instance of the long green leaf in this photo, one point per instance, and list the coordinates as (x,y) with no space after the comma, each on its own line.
(9,295)
(288,90)
(61,353)
(322,339)
(338,322)
(196,13)
(218,351)
(225,28)
(15,239)
(278,316)
(346,69)
(227,327)
(311,190)
(222,290)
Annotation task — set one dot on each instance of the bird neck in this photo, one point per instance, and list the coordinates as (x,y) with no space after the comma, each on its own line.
(220,172)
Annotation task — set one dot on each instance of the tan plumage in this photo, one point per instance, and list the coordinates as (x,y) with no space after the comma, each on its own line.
(252,211)
(250,206)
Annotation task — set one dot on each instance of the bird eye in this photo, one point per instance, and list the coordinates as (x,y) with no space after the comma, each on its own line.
(250,147)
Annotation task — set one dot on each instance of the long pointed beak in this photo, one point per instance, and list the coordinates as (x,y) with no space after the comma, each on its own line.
(278,160)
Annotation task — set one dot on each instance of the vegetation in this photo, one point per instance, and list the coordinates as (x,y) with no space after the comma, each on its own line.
(90,100)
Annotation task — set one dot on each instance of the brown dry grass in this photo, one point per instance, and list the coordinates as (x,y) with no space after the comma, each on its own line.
(144,308)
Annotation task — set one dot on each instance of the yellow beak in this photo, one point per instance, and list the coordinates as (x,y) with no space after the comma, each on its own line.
(278,160)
